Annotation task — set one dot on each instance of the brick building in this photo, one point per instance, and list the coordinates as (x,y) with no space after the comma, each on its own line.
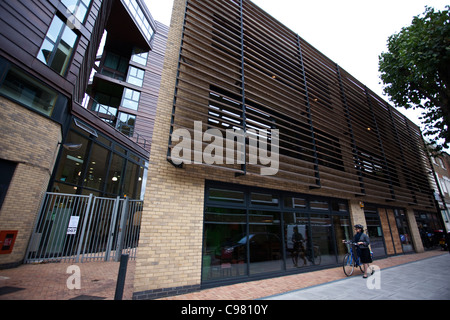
(345,156)
(56,136)
(313,150)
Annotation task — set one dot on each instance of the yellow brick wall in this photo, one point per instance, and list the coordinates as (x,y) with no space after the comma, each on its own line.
(31,141)
(171,232)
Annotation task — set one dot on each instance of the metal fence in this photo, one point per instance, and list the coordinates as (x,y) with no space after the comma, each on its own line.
(85,228)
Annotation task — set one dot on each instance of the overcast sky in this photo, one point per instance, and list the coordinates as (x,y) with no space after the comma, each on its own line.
(352,33)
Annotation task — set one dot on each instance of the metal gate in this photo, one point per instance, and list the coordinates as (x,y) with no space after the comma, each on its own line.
(78,228)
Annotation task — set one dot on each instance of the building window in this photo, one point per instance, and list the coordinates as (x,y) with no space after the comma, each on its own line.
(78,8)
(125,123)
(139,56)
(72,163)
(142,21)
(7,169)
(101,166)
(115,66)
(135,76)
(57,48)
(28,91)
(130,99)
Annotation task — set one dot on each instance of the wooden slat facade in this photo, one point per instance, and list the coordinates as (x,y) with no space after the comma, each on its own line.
(241,68)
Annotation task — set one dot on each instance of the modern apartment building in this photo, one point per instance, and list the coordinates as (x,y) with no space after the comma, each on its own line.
(66,129)
(258,135)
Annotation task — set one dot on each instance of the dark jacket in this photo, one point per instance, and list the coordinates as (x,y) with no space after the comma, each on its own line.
(363,238)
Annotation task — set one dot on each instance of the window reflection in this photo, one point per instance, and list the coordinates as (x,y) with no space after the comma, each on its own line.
(322,239)
(115,175)
(78,8)
(343,230)
(230,196)
(264,199)
(71,167)
(57,48)
(131,179)
(28,91)
(297,240)
(403,229)
(264,240)
(245,233)
(96,168)
(375,234)
(225,244)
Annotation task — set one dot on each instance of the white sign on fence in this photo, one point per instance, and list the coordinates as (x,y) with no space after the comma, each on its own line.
(73,225)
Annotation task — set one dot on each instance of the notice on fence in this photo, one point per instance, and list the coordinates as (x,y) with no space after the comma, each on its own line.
(73,225)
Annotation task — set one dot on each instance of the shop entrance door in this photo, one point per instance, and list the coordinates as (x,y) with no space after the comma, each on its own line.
(390,231)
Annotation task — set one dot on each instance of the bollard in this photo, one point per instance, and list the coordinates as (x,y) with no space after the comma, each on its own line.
(121,277)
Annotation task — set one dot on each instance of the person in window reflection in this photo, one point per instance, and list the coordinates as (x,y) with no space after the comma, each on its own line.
(299,249)
(362,249)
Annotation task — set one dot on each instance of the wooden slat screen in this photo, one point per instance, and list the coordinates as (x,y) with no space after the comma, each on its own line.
(241,68)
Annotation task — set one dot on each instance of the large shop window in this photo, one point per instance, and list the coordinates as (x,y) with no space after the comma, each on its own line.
(251,232)
(100,166)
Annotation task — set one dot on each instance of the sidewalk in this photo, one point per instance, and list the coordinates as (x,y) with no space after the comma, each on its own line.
(98,281)
(426,279)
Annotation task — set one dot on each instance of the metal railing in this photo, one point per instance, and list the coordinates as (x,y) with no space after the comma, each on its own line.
(82,228)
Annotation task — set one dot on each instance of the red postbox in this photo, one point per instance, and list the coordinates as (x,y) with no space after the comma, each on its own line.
(7,239)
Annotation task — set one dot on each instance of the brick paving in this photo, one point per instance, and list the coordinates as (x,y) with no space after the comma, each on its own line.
(48,281)
(98,281)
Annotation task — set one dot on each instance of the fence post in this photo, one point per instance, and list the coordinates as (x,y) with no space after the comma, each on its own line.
(112,228)
(88,210)
(122,229)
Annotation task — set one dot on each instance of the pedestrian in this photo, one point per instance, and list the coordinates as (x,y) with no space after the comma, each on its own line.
(362,242)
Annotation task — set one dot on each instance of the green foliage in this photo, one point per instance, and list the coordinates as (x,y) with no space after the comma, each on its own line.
(416,70)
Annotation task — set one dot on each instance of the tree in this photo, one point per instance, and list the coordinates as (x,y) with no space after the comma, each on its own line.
(416,71)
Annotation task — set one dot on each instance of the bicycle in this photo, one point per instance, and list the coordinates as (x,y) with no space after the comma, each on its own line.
(350,261)
(313,256)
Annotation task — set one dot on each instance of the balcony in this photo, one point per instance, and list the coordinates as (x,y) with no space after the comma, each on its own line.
(131,24)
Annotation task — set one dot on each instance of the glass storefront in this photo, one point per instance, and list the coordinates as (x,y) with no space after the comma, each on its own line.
(388,230)
(250,231)
(429,228)
(99,166)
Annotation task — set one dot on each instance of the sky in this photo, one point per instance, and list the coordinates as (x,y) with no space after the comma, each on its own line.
(352,33)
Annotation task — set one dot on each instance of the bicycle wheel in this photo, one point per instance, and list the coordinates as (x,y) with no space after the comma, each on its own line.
(294,256)
(317,258)
(348,265)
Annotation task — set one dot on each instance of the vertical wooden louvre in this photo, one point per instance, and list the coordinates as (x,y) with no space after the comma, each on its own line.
(239,68)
